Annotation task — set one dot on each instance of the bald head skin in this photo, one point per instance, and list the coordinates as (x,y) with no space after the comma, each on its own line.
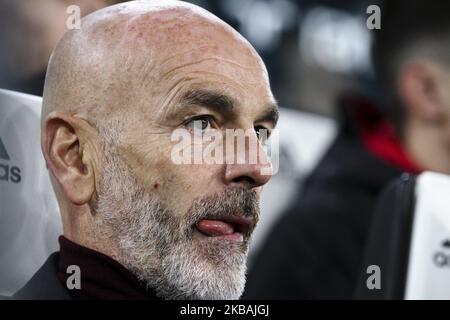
(123,51)
(115,92)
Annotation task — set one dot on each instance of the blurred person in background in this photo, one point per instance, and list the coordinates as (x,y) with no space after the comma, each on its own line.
(29,30)
(316,249)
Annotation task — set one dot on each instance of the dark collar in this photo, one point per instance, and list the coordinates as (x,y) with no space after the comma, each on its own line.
(101,276)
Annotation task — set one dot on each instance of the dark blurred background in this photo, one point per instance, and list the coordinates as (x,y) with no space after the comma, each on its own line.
(314,49)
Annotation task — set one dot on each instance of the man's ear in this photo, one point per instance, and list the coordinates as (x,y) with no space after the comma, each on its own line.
(420,91)
(67,151)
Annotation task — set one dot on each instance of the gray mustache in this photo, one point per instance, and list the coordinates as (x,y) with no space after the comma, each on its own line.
(238,201)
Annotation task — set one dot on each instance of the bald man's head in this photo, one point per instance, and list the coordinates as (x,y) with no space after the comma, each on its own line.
(121,53)
(115,93)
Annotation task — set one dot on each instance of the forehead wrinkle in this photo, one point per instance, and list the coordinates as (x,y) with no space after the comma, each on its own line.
(176,56)
(168,73)
(232,80)
(231,89)
(149,67)
(166,103)
(198,82)
(174,101)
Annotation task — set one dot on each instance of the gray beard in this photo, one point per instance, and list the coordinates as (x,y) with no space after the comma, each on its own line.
(159,246)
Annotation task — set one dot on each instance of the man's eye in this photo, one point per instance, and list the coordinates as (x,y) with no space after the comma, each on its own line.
(200,123)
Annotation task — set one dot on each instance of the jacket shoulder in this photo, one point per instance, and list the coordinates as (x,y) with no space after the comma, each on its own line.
(44,285)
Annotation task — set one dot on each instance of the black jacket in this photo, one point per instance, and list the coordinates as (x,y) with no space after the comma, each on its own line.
(101,277)
(316,249)
(45,285)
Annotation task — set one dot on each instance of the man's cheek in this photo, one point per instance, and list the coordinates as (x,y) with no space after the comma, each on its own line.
(146,166)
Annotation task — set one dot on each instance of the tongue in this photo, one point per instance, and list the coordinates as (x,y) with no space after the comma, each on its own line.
(215,228)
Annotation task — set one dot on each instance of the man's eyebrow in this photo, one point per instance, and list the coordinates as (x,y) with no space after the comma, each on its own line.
(216,100)
(224,103)
(270,114)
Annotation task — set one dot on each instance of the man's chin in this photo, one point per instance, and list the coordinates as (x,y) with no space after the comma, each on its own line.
(209,268)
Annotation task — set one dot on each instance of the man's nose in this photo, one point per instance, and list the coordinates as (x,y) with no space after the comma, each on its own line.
(247,169)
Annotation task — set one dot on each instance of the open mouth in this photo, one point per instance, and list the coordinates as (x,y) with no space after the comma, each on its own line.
(234,228)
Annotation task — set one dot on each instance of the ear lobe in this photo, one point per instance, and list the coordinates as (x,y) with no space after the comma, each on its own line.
(66,158)
(419,91)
